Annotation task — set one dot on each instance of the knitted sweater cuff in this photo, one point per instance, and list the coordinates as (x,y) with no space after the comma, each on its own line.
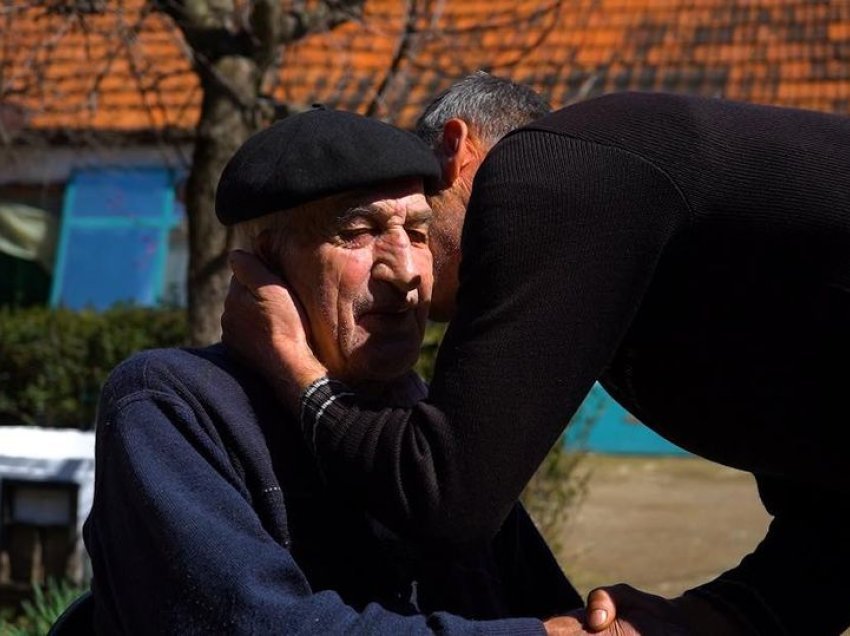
(317,408)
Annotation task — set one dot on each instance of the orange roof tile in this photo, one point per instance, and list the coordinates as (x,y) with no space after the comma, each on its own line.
(129,70)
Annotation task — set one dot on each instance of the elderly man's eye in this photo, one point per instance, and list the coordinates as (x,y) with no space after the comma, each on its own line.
(354,234)
(417,234)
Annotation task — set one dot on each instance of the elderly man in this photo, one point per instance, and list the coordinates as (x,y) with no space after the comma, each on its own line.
(692,254)
(210,516)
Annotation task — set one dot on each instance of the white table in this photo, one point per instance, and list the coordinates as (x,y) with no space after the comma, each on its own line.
(41,455)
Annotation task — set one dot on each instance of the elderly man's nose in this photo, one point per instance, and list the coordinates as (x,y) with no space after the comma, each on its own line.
(395,265)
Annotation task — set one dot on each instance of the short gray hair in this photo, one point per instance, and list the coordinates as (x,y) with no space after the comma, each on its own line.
(285,227)
(492,106)
(278,224)
(303,223)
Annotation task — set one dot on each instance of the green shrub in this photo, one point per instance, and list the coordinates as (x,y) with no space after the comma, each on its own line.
(428,354)
(54,361)
(560,483)
(37,616)
(555,491)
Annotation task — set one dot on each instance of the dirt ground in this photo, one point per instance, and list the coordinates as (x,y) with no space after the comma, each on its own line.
(660,524)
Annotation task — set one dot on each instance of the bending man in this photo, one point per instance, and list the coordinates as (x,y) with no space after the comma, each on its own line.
(694,256)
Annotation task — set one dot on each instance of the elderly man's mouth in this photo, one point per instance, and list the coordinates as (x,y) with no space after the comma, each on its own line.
(387,317)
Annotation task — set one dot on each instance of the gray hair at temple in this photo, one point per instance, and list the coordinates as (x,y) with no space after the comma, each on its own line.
(492,106)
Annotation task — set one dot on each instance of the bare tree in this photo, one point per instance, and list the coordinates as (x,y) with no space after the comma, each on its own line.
(233,47)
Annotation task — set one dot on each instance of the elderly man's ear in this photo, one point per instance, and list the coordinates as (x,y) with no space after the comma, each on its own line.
(264,251)
(458,151)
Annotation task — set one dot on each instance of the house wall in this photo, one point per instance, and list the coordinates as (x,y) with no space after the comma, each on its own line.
(38,177)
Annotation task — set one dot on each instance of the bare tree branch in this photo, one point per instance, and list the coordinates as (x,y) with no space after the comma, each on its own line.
(298,21)
(504,20)
(212,29)
(553,11)
(265,25)
(209,26)
(199,14)
(403,48)
(235,48)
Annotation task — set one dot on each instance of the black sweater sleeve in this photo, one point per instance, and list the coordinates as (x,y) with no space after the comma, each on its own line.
(534,579)
(560,243)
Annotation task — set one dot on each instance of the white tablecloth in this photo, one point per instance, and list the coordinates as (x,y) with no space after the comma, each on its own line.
(40,454)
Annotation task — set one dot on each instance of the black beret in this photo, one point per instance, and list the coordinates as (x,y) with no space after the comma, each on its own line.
(315,154)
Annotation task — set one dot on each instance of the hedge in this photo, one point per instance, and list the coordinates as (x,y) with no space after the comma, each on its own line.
(54,361)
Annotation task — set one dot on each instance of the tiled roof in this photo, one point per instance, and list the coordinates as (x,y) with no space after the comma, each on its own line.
(129,70)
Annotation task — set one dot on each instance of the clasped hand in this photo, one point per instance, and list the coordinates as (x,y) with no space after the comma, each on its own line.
(620,610)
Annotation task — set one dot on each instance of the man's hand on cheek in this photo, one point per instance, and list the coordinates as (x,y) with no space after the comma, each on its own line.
(263,326)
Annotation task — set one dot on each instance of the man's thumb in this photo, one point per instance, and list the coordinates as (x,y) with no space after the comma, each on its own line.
(601,611)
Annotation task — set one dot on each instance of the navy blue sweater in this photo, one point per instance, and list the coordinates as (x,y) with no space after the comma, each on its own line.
(210,517)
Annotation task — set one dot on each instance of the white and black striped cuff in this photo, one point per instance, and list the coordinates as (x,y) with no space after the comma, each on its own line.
(315,401)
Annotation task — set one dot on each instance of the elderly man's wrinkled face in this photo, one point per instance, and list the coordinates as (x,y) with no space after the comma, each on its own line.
(364,275)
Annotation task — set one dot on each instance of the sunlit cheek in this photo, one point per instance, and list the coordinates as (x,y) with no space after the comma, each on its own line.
(351,270)
(304,274)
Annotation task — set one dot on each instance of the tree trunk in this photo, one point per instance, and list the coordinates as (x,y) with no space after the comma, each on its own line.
(228,117)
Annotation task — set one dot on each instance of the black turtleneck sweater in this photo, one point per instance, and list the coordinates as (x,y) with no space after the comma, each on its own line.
(691,254)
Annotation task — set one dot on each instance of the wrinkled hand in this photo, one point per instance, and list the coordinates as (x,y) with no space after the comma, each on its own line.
(620,610)
(264,326)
